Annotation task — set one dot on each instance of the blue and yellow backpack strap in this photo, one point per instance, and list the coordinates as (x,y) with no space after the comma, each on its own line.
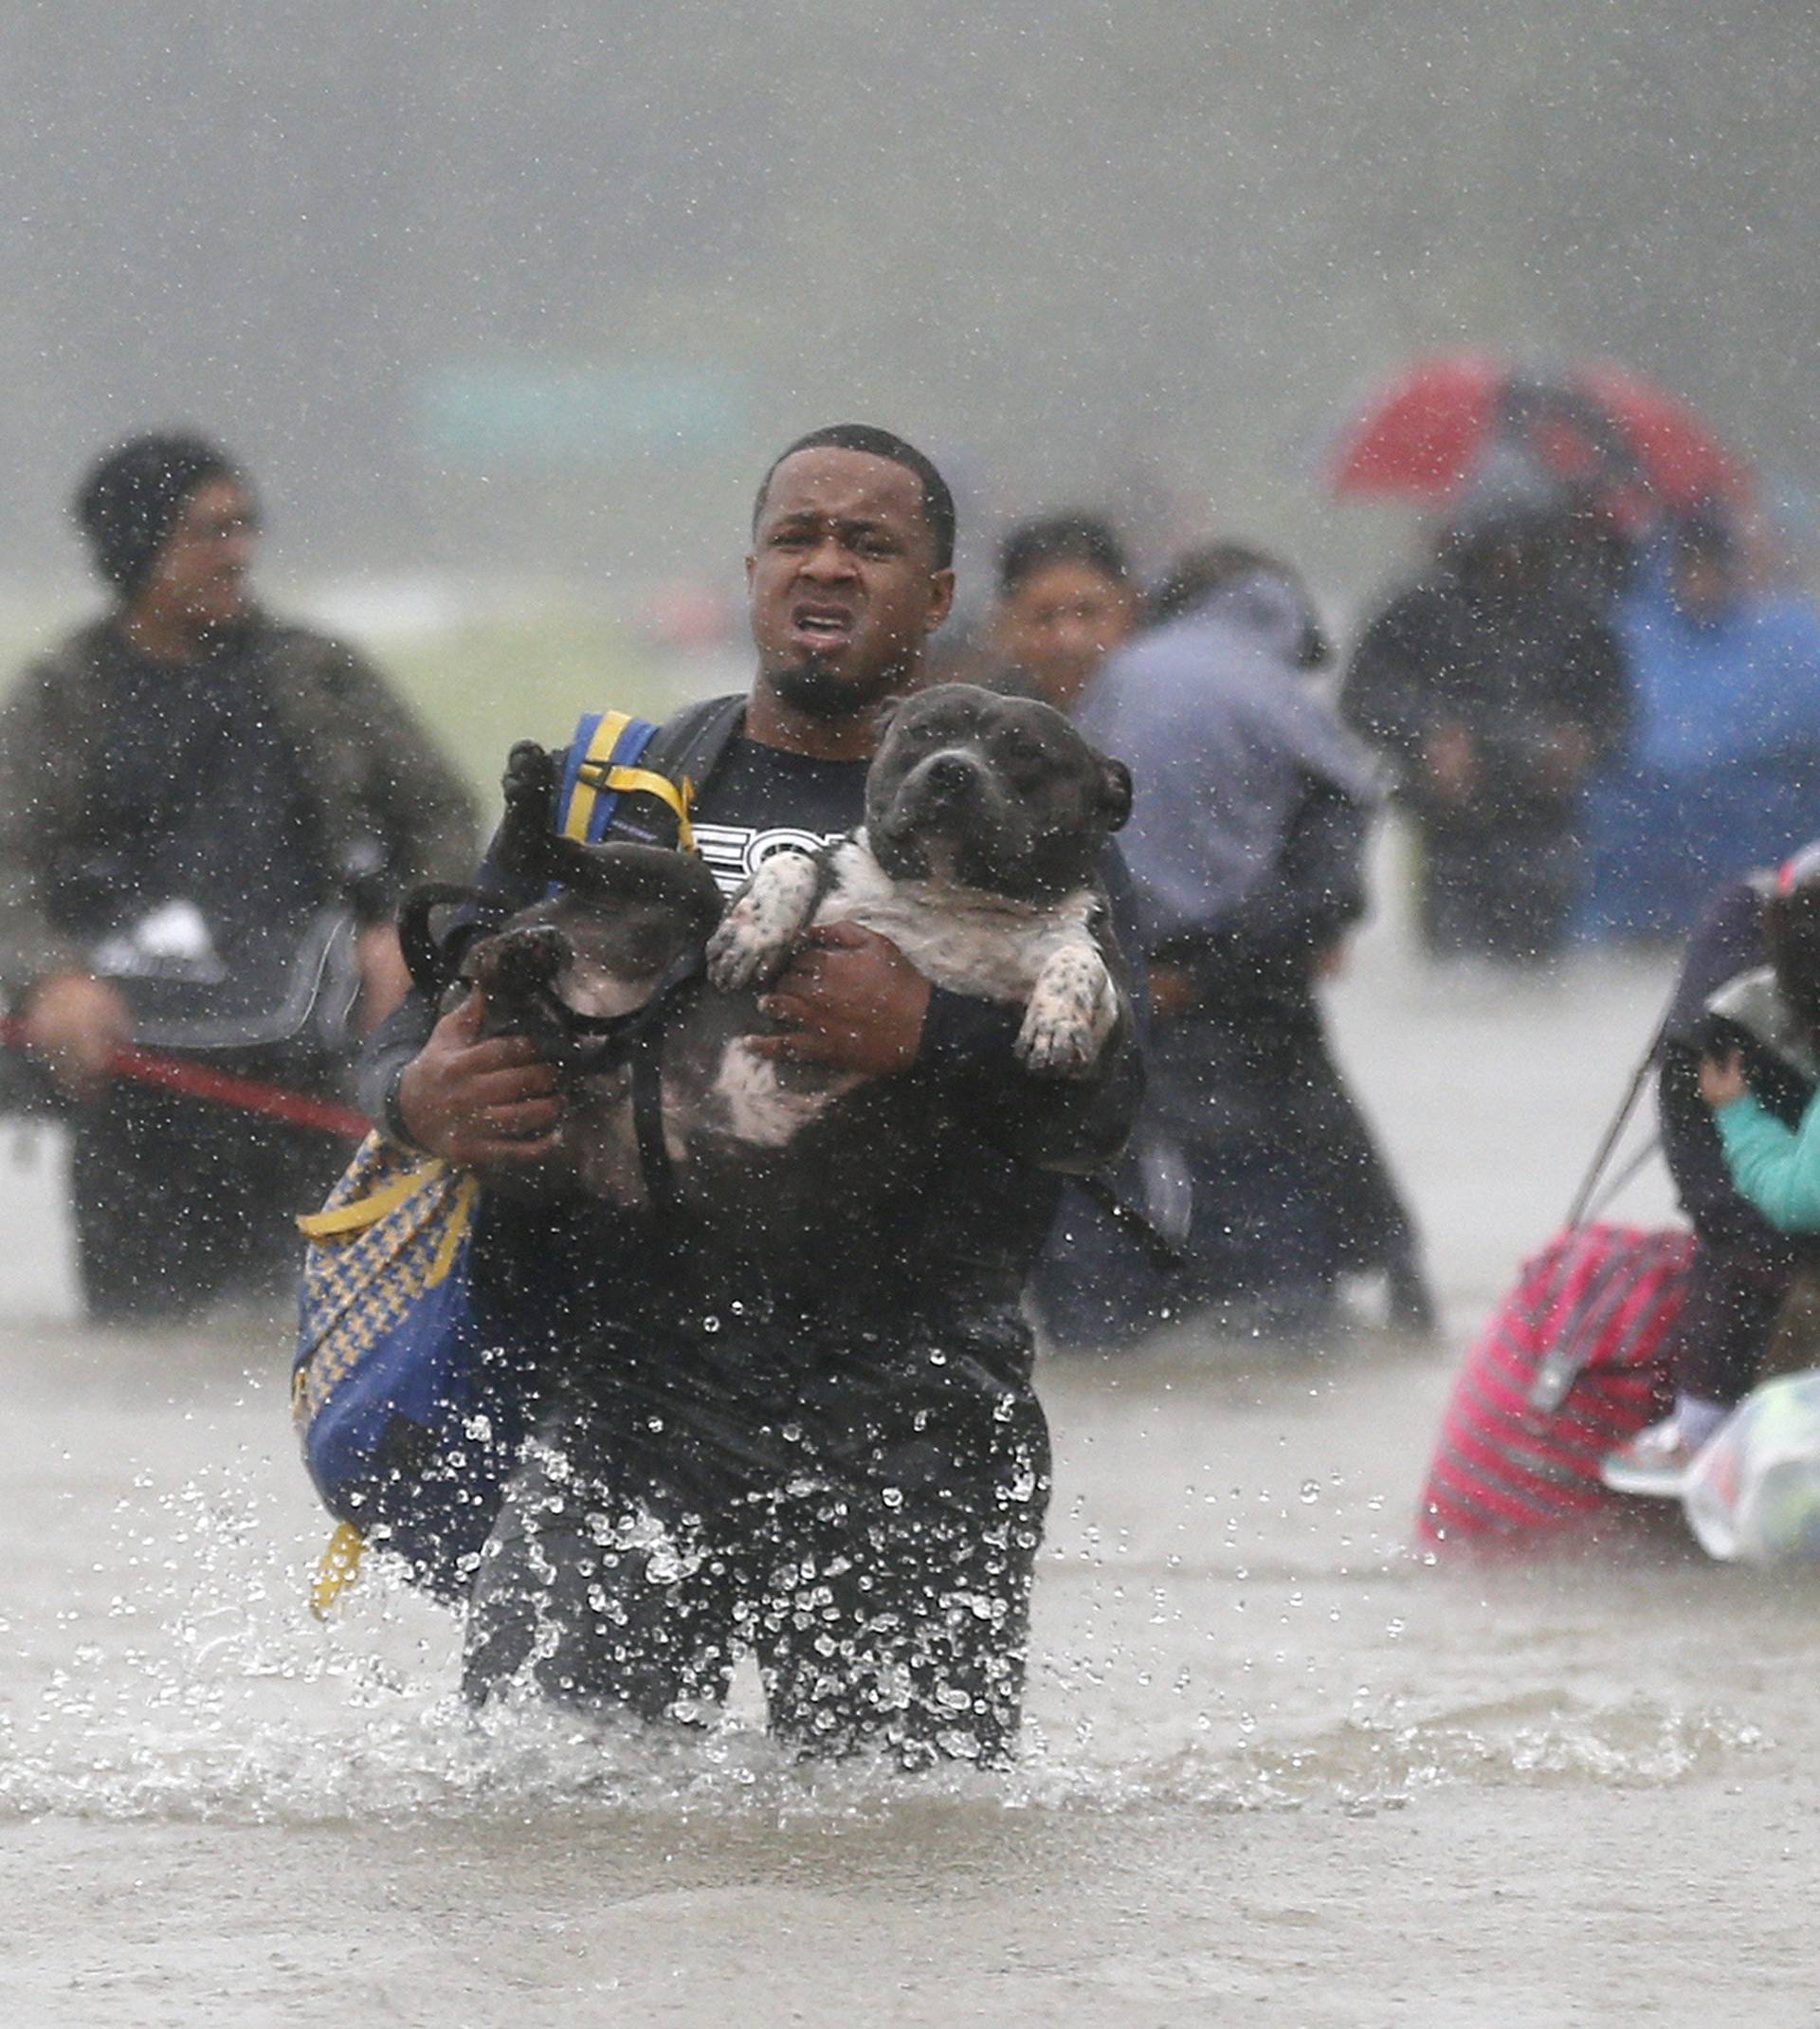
(604,790)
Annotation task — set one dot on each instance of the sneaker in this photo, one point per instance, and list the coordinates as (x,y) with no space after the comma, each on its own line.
(1655,1462)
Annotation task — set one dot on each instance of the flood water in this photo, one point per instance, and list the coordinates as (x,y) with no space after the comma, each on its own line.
(1278,1770)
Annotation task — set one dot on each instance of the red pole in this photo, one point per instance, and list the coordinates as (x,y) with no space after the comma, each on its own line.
(224,1088)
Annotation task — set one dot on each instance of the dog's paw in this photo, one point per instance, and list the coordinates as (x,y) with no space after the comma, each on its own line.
(766,918)
(738,956)
(1055,1044)
(530,787)
(530,778)
(1072,1013)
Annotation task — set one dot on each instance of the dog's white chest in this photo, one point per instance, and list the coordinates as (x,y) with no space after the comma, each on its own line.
(1042,957)
(958,940)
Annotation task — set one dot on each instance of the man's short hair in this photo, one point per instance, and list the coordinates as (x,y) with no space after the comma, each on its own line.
(1071,536)
(938,502)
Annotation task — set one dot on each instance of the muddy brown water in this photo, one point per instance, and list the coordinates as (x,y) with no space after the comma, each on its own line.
(1278,1771)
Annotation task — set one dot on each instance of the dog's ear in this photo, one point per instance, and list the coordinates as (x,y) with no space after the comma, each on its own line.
(1114,793)
(425,953)
(881,717)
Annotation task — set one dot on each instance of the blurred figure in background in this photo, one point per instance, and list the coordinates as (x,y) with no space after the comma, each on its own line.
(206,817)
(1066,601)
(1496,691)
(1722,772)
(1246,848)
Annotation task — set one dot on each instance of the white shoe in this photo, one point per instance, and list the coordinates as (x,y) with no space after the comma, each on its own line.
(1655,1463)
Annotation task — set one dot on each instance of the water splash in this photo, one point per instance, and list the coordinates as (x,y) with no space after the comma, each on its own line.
(191,1684)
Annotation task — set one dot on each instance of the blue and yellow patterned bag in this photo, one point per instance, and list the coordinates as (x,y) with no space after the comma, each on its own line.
(409,1406)
(404,1401)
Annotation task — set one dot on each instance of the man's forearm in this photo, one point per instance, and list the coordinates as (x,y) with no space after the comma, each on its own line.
(388,1050)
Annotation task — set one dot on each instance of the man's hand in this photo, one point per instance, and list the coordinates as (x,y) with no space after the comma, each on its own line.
(848,999)
(476,1102)
(78,1024)
(1721,1079)
(385,979)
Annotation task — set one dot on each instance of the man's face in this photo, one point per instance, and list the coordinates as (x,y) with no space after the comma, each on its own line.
(842,581)
(200,575)
(1059,624)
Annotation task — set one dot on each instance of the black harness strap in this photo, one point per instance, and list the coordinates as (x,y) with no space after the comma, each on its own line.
(644,1043)
(686,747)
(647,1123)
(1167,1256)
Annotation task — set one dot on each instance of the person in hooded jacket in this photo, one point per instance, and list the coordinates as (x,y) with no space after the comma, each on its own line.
(207,816)
(1495,691)
(1246,849)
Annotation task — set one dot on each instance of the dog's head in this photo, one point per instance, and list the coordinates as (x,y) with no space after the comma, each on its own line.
(994,792)
(596,951)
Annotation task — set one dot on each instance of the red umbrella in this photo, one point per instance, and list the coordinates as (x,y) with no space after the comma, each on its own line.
(1427,431)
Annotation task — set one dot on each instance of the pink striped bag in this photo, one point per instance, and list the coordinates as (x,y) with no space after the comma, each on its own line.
(1571,1365)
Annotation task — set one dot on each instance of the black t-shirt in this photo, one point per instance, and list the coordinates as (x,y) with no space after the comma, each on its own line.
(761,801)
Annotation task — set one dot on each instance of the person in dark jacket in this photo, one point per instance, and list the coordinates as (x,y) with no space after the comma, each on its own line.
(837,1462)
(1496,693)
(1246,850)
(206,819)
(1725,995)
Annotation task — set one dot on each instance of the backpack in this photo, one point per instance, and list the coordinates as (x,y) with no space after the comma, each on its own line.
(1571,1364)
(406,1395)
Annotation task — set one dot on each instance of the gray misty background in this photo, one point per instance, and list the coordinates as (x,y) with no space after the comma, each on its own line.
(532,290)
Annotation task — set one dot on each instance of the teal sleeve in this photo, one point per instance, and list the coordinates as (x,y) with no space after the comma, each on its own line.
(1777,1168)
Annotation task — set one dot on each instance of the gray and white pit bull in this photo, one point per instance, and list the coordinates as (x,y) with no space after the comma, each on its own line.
(985,820)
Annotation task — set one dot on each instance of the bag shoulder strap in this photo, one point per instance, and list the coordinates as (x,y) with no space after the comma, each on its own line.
(690,742)
(627,778)
(586,798)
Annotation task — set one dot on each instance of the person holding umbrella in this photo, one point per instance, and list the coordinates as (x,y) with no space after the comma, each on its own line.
(1495,690)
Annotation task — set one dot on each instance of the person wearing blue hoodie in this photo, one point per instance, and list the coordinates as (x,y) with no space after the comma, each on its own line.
(1722,771)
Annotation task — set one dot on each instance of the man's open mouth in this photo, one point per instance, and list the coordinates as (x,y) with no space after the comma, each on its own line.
(821,626)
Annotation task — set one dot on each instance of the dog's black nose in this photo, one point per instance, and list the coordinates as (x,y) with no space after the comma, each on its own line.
(948,774)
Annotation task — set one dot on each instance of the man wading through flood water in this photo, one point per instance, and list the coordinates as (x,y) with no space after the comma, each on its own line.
(842,1466)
